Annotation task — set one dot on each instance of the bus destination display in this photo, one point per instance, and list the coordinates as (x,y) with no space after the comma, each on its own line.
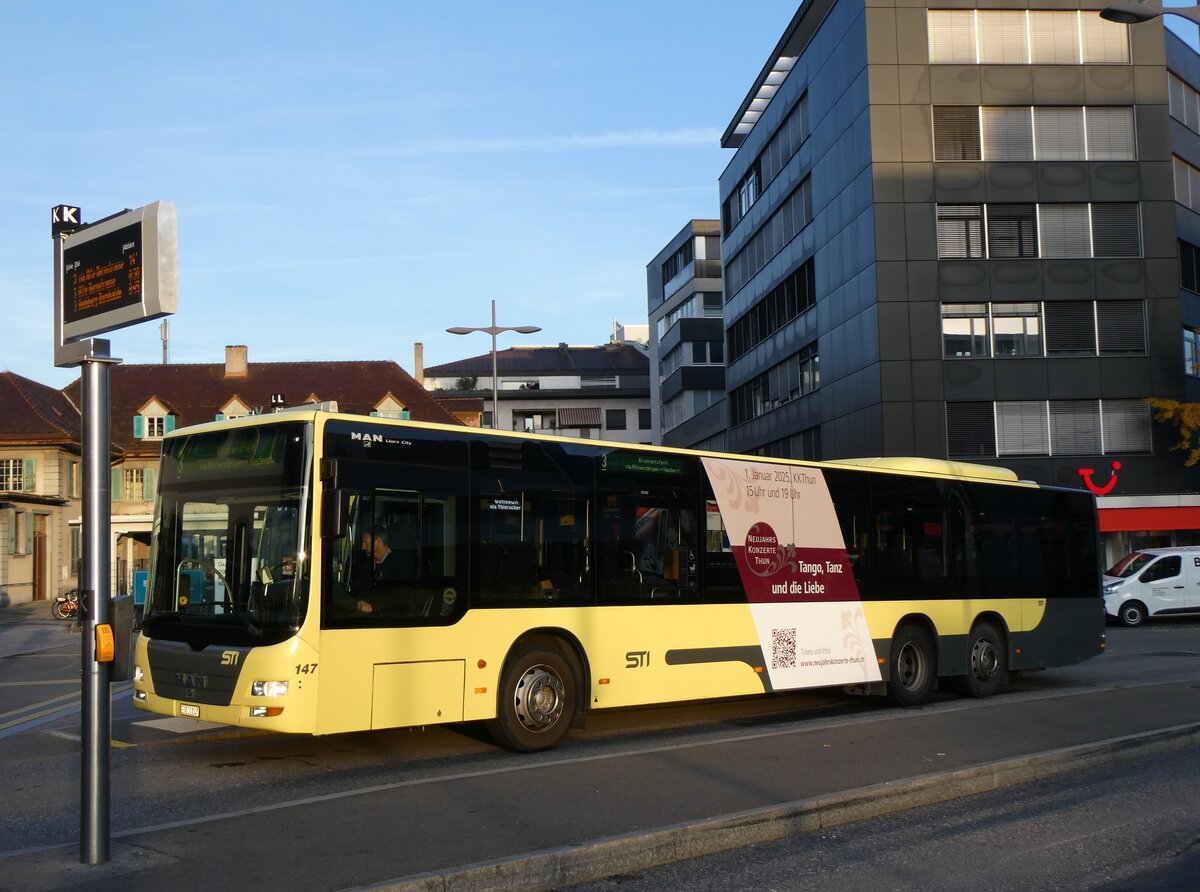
(103,274)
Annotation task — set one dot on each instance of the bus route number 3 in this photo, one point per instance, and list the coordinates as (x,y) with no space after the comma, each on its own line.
(306,668)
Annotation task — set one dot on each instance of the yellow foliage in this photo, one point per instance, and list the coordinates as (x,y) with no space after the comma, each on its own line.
(1186,418)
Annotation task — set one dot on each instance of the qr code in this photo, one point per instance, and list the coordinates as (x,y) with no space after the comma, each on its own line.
(783,648)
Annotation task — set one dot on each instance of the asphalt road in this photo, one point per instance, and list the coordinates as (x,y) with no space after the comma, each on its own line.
(1130,829)
(310,808)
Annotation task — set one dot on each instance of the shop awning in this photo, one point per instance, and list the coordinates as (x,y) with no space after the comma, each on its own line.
(1129,520)
(578,417)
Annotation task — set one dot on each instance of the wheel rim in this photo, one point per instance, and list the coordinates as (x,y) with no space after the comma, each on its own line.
(984,659)
(910,667)
(1132,615)
(539,698)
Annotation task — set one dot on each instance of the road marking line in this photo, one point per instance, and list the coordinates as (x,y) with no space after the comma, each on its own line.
(18,684)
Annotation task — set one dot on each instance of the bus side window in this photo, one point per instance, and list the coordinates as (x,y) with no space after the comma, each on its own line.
(722,583)
(909,537)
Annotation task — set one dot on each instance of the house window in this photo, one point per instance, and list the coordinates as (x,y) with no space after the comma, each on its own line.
(1191,352)
(132,480)
(156,426)
(614,419)
(643,419)
(12,475)
(960,231)
(152,427)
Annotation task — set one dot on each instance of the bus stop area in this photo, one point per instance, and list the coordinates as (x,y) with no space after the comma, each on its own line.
(596,808)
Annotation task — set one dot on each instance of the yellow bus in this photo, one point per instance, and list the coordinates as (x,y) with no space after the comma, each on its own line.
(315,572)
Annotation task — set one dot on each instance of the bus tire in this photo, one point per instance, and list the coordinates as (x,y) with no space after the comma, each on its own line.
(912,666)
(536,700)
(1132,613)
(987,661)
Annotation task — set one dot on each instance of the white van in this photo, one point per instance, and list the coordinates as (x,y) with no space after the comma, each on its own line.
(1153,582)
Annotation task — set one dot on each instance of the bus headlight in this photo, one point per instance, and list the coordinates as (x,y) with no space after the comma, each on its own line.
(269,689)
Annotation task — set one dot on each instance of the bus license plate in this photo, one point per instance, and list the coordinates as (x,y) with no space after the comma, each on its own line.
(192,712)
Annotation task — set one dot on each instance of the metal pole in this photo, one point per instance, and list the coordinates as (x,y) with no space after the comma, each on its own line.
(96,711)
(495,375)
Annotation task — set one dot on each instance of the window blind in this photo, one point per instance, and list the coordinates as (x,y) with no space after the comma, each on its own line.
(1126,425)
(1110,133)
(1116,231)
(1075,427)
(1070,327)
(960,230)
(1121,326)
(1007,133)
(1021,428)
(1059,134)
(1063,229)
(970,430)
(956,133)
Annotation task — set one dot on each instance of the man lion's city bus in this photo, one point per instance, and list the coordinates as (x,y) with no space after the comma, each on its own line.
(319,573)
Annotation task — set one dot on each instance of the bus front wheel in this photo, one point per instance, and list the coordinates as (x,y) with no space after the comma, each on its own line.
(987,661)
(912,666)
(536,700)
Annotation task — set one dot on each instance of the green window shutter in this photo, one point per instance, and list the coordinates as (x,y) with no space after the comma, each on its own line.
(148,485)
(374,413)
(11,515)
(29,532)
(220,416)
(70,489)
(170,424)
(118,485)
(29,474)
(404,416)
(139,427)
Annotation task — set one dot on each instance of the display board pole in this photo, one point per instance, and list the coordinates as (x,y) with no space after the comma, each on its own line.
(96,586)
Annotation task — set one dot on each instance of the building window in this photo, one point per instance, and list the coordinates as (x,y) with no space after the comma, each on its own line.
(14,476)
(1033,133)
(1104,328)
(1189,266)
(533,422)
(1191,352)
(1185,103)
(793,214)
(152,427)
(677,261)
(960,231)
(614,419)
(133,480)
(1187,184)
(795,377)
(1041,427)
(644,421)
(1016,329)
(1020,37)
(777,152)
(970,430)
(1062,231)
(783,303)
(965,329)
(707,304)
(1012,230)
(156,426)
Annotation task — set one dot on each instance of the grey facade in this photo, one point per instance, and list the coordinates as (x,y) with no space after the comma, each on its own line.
(910,228)
(685,298)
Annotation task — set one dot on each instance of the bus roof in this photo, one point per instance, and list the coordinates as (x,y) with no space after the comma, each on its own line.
(922,467)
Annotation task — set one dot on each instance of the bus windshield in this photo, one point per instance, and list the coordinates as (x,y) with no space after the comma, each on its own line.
(229,557)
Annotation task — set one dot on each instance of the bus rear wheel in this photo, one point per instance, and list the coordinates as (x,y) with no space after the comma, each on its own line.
(987,661)
(912,666)
(536,700)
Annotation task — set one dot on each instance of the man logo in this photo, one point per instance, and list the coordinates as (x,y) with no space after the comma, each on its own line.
(368,438)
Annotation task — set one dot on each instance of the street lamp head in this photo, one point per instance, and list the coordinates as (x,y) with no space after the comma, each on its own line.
(1129,13)
(458,329)
(526,329)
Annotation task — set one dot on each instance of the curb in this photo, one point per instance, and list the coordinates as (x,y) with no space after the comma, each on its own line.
(641,850)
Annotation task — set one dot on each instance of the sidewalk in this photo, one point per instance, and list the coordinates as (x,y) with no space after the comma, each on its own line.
(30,627)
(549,820)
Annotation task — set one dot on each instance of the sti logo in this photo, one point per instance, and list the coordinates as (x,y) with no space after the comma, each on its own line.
(367,439)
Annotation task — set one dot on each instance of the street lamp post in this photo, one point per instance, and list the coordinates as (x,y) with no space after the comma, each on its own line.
(494,330)
(1134,12)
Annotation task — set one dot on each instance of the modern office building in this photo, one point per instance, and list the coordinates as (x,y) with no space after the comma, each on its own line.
(687,339)
(956,231)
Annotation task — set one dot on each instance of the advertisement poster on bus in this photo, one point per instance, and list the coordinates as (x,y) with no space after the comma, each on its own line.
(794,566)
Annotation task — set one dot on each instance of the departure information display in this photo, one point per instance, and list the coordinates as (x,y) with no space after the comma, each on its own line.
(103,274)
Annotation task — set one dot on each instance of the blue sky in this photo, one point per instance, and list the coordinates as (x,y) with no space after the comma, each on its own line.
(352,178)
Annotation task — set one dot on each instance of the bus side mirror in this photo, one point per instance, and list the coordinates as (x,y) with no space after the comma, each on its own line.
(334,512)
